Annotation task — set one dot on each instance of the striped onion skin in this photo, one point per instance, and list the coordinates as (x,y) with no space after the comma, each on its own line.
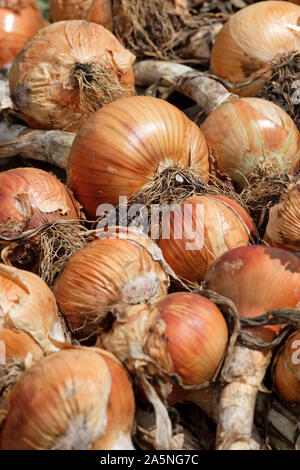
(213,224)
(283,228)
(252,39)
(16,344)
(96,11)
(126,143)
(252,136)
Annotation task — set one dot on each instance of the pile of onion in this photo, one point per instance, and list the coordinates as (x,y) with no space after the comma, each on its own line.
(28,304)
(19,21)
(257,279)
(96,11)
(252,137)
(82,67)
(129,144)
(201,229)
(89,404)
(254,39)
(120,267)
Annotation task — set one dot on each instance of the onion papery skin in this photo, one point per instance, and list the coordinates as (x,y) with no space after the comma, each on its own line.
(286,370)
(108,271)
(30,197)
(42,78)
(283,228)
(17,27)
(120,409)
(209,226)
(252,136)
(27,304)
(183,333)
(252,40)
(16,345)
(257,279)
(96,11)
(126,143)
(59,404)
(197,336)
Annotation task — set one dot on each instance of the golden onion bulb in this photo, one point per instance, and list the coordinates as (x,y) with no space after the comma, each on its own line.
(66,72)
(65,402)
(96,11)
(201,229)
(127,144)
(252,40)
(123,267)
(252,136)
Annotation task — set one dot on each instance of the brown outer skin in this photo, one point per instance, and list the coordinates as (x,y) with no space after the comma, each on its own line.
(30,197)
(16,28)
(257,279)
(286,373)
(96,11)
(251,39)
(221,227)
(61,388)
(107,272)
(18,344)
(123,146)
(283,228)
(248,135)
(27,304)
(120,408)
(51,56)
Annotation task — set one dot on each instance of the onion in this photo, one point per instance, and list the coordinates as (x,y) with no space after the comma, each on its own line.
(27,304)
(283,228)
(252,136)
(96,11)
(127,144)
(254,39)
(79,388)
(31,197)
(66,72)
(257,279)
(286,370)
(15,345)
(19,21)
(118,267)
(183,334)
(209,225)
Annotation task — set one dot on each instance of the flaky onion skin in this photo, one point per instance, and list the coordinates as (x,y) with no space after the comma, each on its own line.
(252,136)
(183,333)
(286,370)
(257,279)
(52,58)
(126,143)
(252,39)
(17,26)
(210,226)
(59,404)
(96,11)
(108,271)
(30,197)
(27,304)
(15,345)
(283,227)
